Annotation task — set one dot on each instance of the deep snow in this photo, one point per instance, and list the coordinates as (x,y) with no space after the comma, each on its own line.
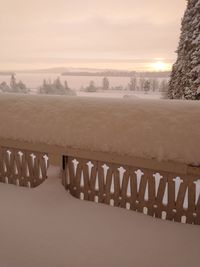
(46,227)
(160,129)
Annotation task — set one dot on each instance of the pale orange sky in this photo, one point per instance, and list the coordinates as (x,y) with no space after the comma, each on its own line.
(128,34)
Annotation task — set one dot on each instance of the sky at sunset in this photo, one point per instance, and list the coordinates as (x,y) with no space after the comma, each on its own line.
(129,34)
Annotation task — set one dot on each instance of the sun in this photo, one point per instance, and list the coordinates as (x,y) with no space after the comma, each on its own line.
(159,66)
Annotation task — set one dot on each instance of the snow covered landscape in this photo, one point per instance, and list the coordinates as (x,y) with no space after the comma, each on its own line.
(46,226)
(117,87)
(100,133)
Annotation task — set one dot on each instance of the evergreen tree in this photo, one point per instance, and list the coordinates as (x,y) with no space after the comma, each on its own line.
(132,86)
(105,84)
(13,83)
(4,87)
(141,83)
(91,87)
(66,86)
(21,88)
(17,87)
(45,88)
(163,86)
(55,88)
(147,86)
(185,77)
(154,85)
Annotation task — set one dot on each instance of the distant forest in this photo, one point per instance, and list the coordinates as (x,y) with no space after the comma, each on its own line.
(161,74)
(56,87)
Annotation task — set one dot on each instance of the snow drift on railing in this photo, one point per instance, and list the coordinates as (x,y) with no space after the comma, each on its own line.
(160,129)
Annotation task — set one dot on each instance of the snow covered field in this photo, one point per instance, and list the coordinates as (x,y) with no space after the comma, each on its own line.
(152,129)
(121,94)
(46,227)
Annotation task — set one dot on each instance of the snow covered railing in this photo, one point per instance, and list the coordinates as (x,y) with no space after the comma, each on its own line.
(140,155)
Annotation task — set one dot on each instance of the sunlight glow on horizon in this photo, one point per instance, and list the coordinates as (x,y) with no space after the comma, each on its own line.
(138,65)
(160,65)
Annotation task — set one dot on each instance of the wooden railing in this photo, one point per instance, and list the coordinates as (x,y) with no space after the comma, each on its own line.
(22,167)
(167,190)
(163,194)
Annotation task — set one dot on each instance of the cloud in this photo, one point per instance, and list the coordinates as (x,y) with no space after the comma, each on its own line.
(89,28)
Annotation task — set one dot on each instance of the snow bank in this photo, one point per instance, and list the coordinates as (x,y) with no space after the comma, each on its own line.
(46,227)
(160,129)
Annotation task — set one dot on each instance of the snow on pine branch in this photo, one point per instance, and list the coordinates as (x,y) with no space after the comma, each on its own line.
(160,129)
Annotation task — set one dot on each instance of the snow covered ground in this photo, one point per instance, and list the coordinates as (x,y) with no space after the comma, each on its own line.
(121,94)
(46,227)
(159,129)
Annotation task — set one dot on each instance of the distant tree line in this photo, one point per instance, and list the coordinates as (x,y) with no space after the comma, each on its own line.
(48,87)
(55,88)
(135,84)
(93,88)
(116,73)
(100,74)
(14,86)
(144,84)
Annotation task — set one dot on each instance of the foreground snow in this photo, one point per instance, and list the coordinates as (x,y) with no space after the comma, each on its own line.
(46,227)
(160,129)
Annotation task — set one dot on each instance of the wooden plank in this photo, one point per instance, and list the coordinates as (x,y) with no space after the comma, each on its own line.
(125,181)
(43,166)
(171,197)
(93,179)
(1,165)
(71,175)
(6,161)
(180,201)
(65,172)
(151,193)
(108,185)
(78,179)
(134,199)
(29,163)
(19,168)
(101,190)
(191,201)
(142,190)
(36,171)
(160,196)
(86,180)
(117,189)
(197,211)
